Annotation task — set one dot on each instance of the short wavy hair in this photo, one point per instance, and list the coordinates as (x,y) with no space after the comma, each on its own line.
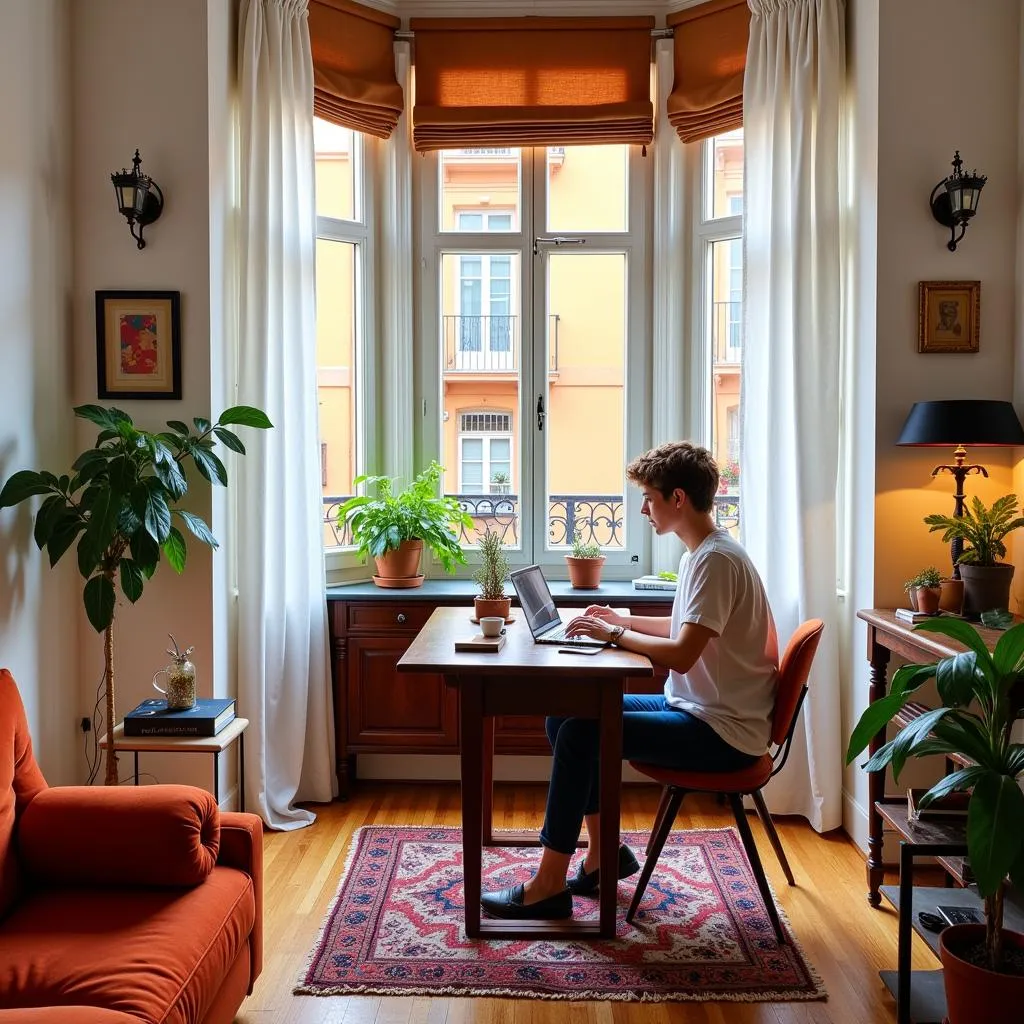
(678,464)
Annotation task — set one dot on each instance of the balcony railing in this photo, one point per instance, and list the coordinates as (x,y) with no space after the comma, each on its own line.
(489,344)
(598,518)
(727,331)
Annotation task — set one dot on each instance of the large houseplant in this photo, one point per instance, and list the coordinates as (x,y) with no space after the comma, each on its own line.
(983,530)
(118,502)
(394,527)
(981,694)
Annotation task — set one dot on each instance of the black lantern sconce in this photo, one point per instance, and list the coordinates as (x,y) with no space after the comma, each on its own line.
(954,200)
(138,197)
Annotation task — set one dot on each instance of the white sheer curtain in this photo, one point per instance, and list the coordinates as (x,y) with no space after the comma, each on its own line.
(283,670)
(793,136)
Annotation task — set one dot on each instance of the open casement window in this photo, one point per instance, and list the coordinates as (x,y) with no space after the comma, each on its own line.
(535,342)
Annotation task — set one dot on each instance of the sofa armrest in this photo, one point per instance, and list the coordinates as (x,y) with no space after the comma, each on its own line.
(132,836)
(241,846)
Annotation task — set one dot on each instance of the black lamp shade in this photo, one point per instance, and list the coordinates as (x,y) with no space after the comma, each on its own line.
(965,421)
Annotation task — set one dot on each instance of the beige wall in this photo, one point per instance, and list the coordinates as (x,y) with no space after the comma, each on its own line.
(40,608)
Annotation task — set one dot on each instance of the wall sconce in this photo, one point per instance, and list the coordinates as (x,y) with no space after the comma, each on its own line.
(138,197)
(954,200)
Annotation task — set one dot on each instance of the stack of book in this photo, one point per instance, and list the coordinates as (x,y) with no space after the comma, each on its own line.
(154,718)
(909,615)
(653,583)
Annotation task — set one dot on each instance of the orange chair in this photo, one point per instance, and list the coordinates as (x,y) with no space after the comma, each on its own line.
(789,697)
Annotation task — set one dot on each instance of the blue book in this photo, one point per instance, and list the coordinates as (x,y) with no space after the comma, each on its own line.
(154,718)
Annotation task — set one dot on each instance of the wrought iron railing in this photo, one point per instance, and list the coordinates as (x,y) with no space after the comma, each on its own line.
(727,331)
(597,517)
(489,344)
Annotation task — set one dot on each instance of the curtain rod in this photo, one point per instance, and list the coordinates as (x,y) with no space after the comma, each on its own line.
(656,33)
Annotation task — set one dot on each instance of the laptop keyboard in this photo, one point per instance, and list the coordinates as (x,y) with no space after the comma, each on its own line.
(558,636)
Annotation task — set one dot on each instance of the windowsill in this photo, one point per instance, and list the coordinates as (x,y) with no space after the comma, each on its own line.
(610,590)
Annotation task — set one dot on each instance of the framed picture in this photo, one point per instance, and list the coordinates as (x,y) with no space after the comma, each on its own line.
(949,316)
(138,344)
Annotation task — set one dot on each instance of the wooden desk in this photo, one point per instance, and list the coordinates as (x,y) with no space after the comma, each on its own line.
(525,678)
(887,635)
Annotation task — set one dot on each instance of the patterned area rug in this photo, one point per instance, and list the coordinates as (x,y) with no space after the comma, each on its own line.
(702,933)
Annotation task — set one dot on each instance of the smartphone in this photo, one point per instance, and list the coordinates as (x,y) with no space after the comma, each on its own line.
(960,915)
(580,650)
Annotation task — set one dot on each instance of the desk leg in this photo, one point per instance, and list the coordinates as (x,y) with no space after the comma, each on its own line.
(487,783)
(879,656)
(611,787)
(472,746)
(904,933)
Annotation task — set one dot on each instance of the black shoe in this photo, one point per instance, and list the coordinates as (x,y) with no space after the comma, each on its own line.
(585,883)
(509,904)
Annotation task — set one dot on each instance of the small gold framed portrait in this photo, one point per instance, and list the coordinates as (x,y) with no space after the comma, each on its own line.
(949,316)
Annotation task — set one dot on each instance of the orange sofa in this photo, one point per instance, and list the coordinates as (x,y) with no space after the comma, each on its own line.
(121,905)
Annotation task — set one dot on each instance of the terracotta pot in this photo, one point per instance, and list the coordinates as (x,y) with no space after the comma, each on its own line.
(912,598)
(951,596)
(928,600)
(402,562)
(974,994)
(985,587)
(483,606)
(584,573)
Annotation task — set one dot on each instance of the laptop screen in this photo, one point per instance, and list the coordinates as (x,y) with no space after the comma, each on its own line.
(535,598)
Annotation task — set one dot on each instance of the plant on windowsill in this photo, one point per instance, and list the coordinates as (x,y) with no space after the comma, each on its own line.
(491,576)
(986,579)
(584,563)
(729,478)
(120,498)
(499,483)
(923,591)
(394,527)
(982,694)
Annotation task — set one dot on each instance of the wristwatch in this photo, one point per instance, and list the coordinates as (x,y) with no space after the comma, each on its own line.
(617,632)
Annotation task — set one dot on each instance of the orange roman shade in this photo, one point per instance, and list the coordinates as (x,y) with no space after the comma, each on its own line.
(354,82)
(532,81)
(710,57)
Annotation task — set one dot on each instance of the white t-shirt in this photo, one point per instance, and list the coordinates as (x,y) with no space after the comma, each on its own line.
(732,684)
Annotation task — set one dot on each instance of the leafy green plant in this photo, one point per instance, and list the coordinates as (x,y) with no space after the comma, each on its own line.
(929,577)
(499,477)
(417,512)
(119,503)
(982,529)
(494,569)
(667,574)
(584,549)
(981,693)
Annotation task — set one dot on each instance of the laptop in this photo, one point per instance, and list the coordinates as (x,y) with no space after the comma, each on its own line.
(541,614)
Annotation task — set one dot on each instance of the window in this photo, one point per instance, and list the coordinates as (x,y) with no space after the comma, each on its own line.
(533,288)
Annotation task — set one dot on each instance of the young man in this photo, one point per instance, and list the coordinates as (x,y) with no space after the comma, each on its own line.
(721,651)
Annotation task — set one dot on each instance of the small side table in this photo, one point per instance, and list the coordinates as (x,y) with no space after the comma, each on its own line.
(216,745)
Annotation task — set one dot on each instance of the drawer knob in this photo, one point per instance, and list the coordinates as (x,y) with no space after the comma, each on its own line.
(400,618)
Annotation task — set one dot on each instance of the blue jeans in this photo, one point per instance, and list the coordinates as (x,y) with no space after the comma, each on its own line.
(652,731)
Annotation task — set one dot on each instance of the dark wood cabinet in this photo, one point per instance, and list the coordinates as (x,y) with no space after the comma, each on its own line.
(378,710)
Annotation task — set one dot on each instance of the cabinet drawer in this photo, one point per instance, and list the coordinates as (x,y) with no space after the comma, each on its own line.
(388,616)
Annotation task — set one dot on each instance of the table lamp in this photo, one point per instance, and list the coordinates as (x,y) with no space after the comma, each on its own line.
(958,423)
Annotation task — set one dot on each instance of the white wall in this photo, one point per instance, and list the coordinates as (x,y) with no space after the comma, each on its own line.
(937,91)
(39,612)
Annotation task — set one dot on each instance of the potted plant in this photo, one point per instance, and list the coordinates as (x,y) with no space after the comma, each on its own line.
(118,502)
(923,590)
(393,528)
(729,477)
(981,694)
(986,579)
(492,575)
(584,563)
(499,482)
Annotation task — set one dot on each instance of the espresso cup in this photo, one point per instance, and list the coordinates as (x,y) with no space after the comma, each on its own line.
(492,625)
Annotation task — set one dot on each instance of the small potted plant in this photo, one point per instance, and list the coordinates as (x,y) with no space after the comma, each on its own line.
(729,477)
(394,528)
(499,482)
(982,694)
(923,590)
(584,563)
(986,578)
(492,575)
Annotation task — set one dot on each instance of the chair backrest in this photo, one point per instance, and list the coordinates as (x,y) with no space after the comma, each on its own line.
(794,669)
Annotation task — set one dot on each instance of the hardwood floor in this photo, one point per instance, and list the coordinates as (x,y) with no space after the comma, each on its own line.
(845,939)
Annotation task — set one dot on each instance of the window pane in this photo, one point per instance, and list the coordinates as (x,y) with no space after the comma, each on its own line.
(335,170)
(726,178)
(726,336)
(587,376)
(336,322)
(480,316)
(587,188)
(488,178)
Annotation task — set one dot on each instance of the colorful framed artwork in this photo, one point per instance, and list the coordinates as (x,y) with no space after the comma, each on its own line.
(949,316)
(138,344)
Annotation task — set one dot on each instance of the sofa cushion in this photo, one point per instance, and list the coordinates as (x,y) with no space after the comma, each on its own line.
(20,780)
(66,1015)
(158,954)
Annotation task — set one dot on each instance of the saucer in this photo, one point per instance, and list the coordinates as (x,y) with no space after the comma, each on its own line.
(476,621)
